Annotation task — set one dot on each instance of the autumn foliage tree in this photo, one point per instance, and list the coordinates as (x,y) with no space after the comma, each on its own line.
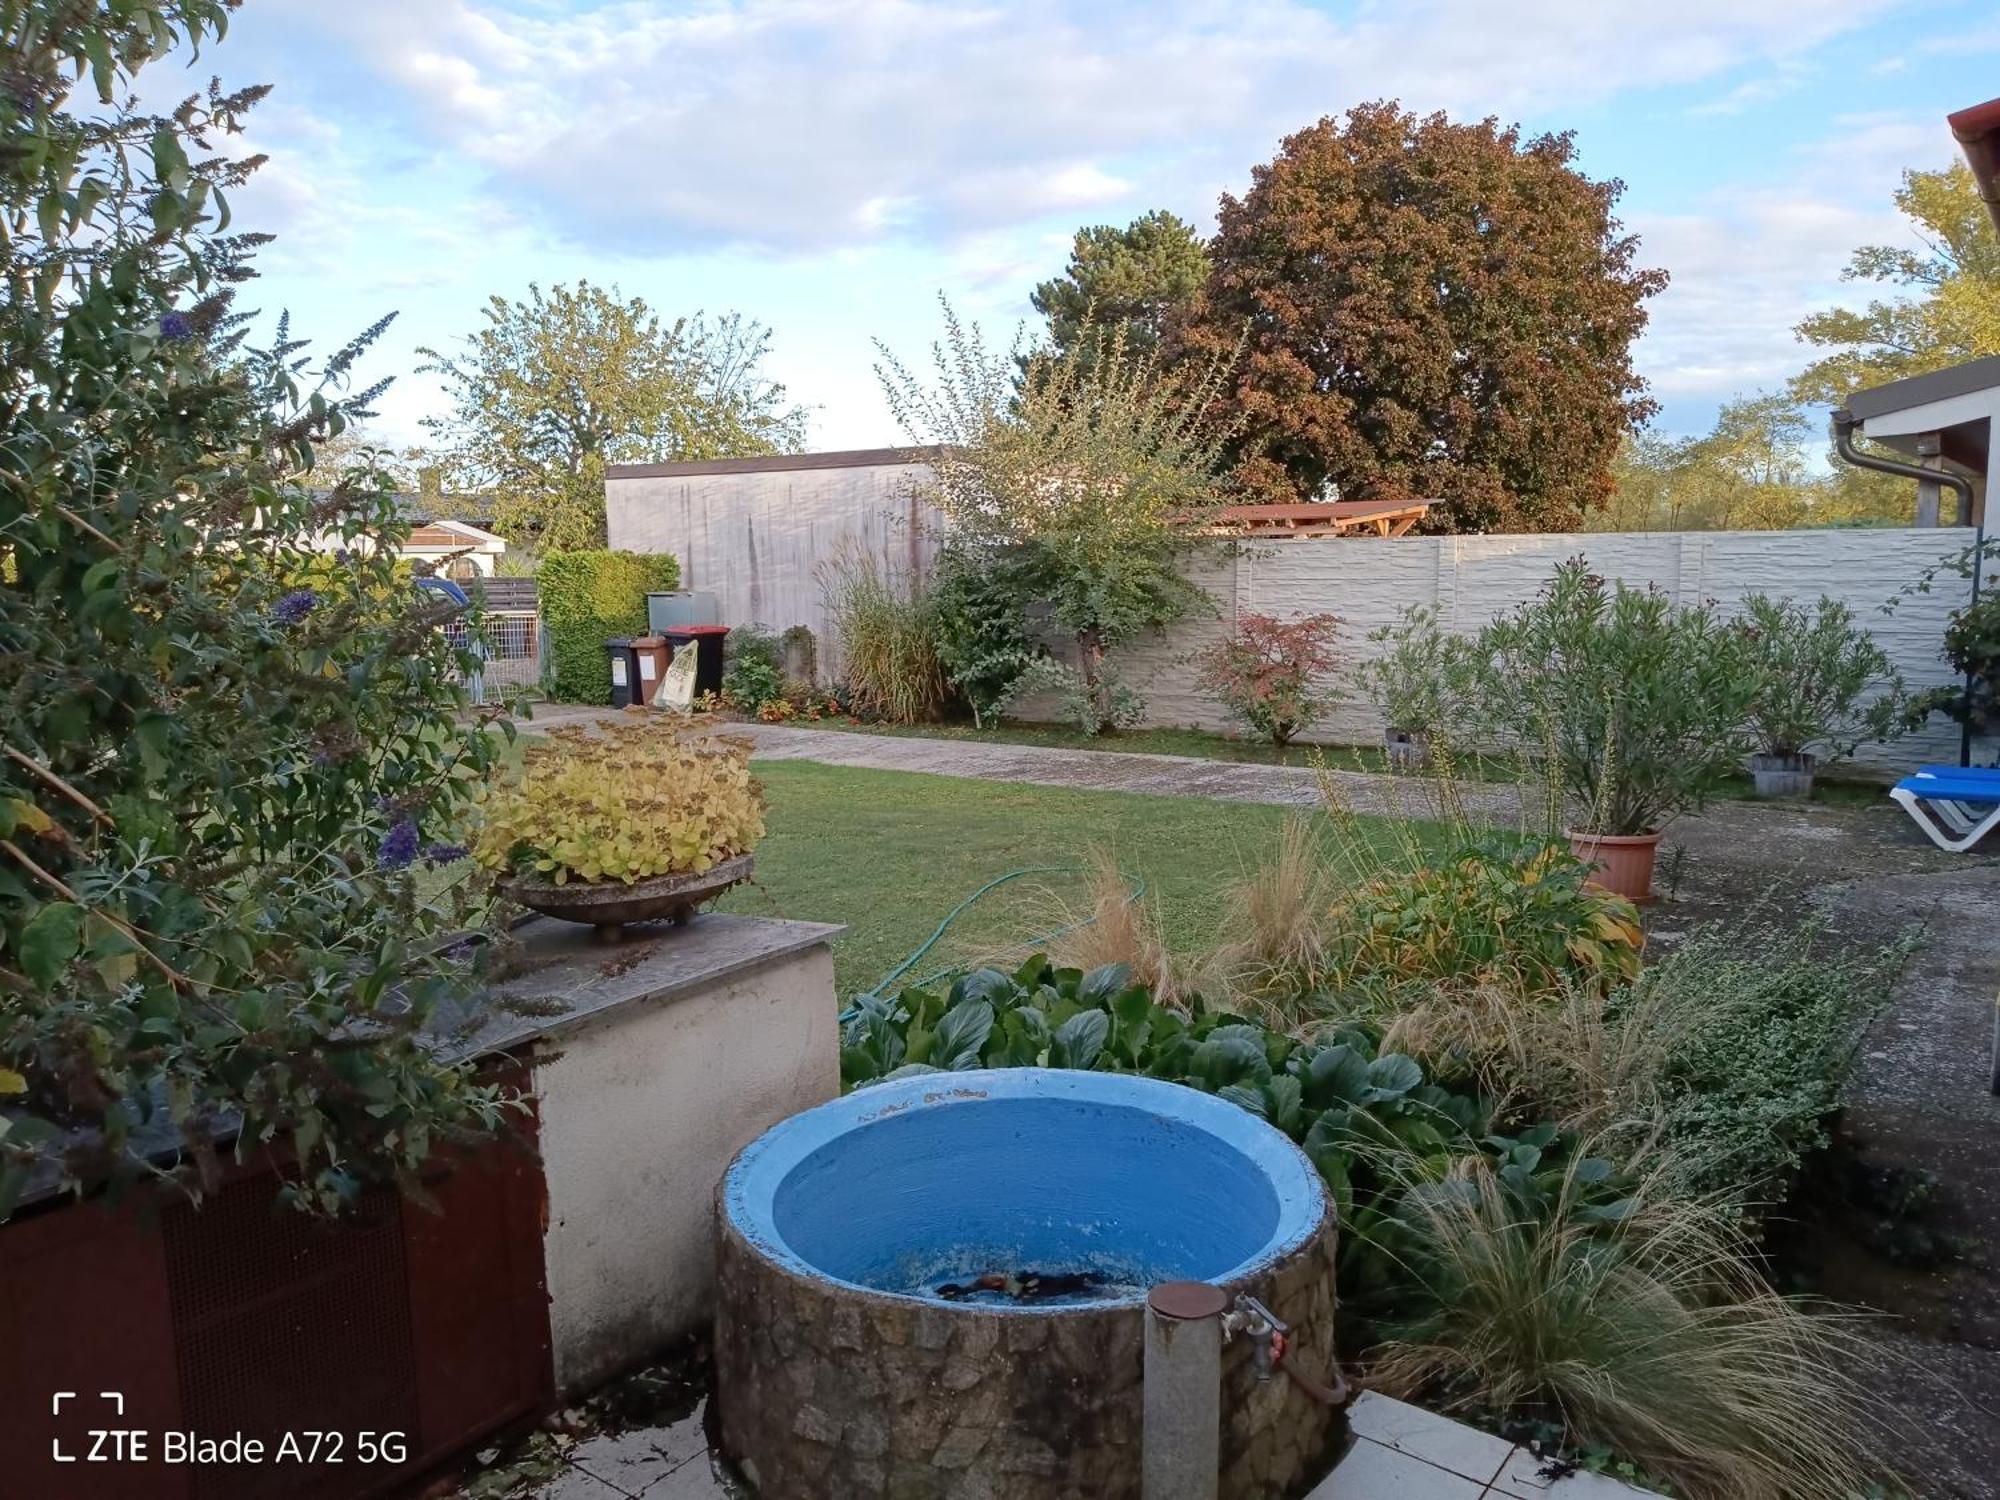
(1434,310)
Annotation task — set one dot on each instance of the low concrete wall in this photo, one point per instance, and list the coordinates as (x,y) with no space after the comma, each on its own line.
(680,1048)
(1472,579)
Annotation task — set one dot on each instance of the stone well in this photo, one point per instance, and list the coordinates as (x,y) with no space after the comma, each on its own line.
(858,1354)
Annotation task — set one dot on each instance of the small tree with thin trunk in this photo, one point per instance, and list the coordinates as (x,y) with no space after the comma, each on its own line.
(1093,474)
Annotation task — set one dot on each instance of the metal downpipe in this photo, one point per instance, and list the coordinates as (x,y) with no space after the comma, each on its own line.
(1843,444)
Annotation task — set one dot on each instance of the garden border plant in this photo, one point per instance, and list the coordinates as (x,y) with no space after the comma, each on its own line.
(1643,704)
(219,787)
(1271,674)
(1812,669)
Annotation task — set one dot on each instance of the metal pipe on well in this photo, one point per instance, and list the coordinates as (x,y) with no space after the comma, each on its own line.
(1181,1439)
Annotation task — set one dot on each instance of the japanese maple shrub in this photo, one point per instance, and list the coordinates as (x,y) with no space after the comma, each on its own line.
(1270,674)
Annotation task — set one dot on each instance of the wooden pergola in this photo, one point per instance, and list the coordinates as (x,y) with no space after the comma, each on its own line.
(1382,518)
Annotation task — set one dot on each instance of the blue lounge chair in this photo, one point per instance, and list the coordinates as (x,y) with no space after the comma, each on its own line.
(1956,805)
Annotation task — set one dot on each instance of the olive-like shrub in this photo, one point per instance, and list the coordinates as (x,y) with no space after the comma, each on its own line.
(624,802)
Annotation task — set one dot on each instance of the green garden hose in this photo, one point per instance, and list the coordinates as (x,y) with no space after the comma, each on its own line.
(1138,889)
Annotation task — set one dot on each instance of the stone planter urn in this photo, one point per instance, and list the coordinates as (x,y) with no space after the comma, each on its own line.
(1620,863)
(608,905)
(1775,776)
(1407,749)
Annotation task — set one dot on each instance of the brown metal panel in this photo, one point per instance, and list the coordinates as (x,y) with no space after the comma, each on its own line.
(239,1316)
(285,1324)
(84,1309)
(479,1297)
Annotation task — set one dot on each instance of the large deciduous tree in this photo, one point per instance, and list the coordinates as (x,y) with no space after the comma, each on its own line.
(1142,276)
(559,385)
(1434,310)
(1952,315)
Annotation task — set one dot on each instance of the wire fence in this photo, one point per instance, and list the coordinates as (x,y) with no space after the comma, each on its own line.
(512,644)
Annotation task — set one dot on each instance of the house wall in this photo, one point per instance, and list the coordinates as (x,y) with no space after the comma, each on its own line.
(759,540)
(1471,579)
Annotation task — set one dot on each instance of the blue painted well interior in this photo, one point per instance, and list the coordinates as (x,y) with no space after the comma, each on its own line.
(944,1177)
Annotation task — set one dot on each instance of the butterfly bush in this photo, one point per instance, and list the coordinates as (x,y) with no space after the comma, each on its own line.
(222,750)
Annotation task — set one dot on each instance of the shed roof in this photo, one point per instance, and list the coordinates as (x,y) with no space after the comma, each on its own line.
(771,463)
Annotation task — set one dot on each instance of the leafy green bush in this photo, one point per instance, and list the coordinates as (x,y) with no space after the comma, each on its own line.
(1762,1044)
(1489,914)
(982,625)
(219,783)
(1811,669)
(1971,647)
(1087,708)
(1644,703)
(1367,1118)
(754,667)
(586,598)
(1418,675)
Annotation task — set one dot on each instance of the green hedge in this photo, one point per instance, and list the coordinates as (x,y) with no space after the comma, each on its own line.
(587,597)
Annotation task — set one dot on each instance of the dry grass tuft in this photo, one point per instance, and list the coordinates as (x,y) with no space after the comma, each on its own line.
(1117,929)
(1278,944)
(1652,1336)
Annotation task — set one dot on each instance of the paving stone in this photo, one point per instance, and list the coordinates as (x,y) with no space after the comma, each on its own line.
(1437,1440)
(1373,1472)
(633,1460)
(575,1484)
(1522,1479)
(693,1480)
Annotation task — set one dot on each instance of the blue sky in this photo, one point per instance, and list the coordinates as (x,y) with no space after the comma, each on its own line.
(829,166)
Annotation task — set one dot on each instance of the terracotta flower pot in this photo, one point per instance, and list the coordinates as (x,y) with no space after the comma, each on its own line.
(1782,775)
(1621,863)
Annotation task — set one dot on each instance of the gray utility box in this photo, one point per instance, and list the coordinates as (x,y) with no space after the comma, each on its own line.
(681,607)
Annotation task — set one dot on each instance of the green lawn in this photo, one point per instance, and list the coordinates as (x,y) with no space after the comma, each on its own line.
(890,853)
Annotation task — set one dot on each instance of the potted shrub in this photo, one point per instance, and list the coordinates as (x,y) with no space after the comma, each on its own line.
(633,822)
(1414,679)
(1270,674)
(1811,670)
(1642,706)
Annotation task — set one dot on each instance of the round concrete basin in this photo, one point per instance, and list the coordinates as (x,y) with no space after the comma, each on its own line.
(939,1282)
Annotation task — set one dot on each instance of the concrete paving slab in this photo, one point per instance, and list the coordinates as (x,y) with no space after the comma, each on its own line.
(1439,1441)
(1372,1471)
(636,1460)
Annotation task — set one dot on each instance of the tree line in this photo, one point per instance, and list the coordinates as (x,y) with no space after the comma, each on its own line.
(1412,308)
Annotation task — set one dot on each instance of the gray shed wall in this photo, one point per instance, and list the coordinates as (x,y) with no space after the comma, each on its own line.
(758,540)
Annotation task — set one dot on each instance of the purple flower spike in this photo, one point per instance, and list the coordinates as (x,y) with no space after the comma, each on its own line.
(444,854)
(175,327)
(399,846)
(294,607)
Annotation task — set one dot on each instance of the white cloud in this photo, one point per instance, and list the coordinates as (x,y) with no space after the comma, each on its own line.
(797,125)
(1748,266)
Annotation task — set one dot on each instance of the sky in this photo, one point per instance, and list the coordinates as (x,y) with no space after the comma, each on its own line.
(828,167)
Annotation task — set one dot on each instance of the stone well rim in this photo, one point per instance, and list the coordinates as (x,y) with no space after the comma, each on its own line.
(748,1192)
